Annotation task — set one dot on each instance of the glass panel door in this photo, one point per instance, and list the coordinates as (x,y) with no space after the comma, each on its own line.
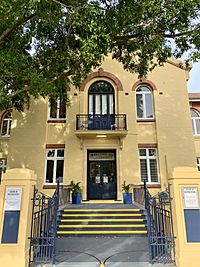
(101,106)
(102,175)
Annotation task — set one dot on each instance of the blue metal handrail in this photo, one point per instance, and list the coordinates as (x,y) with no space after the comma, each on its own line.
(147,207)
(43,227)
(160,227)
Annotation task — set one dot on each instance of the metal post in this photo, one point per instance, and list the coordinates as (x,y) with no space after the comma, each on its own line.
(145,194)
(31,235)
(56,206)
(171,222)
(147,207)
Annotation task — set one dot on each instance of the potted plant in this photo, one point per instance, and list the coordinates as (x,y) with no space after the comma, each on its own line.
(76,192)
(127,195)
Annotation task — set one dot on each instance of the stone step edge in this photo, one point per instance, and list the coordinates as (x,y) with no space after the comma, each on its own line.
(102,220)
(101,215)
(99,232)
(103,226)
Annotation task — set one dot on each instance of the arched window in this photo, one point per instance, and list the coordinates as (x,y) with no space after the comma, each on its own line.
(195,122)
(101,99)
(6,124)
(144,102)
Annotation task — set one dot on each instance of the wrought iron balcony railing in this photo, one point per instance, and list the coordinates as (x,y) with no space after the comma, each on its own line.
(113,122)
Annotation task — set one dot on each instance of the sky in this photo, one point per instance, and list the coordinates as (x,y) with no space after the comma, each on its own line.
(194,81)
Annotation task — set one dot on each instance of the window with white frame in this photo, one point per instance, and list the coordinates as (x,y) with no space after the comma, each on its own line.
(6,124)
(144,102)
(195,122)
(148,165)
(198,163)
(54,166)
(57,109)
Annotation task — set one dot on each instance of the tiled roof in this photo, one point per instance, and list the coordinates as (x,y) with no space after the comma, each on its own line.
(194,96)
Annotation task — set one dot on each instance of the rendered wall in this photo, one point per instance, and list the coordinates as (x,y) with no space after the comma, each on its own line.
(171,130)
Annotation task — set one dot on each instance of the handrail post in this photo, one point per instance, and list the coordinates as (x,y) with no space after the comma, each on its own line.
(32,224)
(171,222)
(147,207)
(56,207)
(145,194)
(58,192)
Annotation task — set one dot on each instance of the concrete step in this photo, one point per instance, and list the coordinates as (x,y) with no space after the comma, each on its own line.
(101,221)
(68,211)
(97,221)
(99,232)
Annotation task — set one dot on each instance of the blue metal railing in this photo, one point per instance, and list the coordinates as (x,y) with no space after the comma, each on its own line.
(114,122)
(43,228)
(160,227)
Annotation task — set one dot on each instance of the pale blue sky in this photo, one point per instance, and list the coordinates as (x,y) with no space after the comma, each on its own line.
(194,81)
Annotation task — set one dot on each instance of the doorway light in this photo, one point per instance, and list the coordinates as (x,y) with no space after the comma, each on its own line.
(101,135)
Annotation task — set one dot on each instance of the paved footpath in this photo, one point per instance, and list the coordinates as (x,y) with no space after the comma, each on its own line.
(131,251)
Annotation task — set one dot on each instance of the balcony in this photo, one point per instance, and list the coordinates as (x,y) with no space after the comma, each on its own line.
(96,125)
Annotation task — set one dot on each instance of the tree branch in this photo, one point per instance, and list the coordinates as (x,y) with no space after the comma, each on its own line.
(8,31)
(15,93)
(132,36)
(67,73)
(64,74)
(179,34)
(125,37)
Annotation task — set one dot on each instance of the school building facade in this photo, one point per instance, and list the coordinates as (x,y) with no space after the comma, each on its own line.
(117,128)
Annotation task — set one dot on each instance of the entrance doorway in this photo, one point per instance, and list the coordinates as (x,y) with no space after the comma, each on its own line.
(101,181)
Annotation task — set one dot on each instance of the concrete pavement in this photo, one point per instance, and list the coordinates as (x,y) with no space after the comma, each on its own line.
(113,251)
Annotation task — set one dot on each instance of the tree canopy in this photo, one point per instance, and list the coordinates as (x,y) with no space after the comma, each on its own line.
(47,45)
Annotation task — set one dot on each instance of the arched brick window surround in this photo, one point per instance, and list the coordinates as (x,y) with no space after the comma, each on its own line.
(2,116)
(144,81)
(196,107)
(196,110)
(102,73)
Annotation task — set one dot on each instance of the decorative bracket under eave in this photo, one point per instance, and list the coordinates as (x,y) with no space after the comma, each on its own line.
(81,144)
(121,143)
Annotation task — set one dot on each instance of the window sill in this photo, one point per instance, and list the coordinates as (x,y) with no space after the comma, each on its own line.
(152,186)
(49,186)
(56,121)
(146,120)
(5,137)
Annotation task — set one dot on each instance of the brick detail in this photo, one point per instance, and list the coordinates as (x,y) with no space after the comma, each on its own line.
(146,120)
(49,186)
(102,73)
(55,145)
(152,186)
(147,146)
(144,81)
(196,106)
(56,121)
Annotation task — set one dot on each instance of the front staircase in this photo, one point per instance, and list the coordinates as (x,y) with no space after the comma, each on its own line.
(101,220)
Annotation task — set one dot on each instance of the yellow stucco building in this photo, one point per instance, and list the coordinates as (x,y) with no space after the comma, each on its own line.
(116,128)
